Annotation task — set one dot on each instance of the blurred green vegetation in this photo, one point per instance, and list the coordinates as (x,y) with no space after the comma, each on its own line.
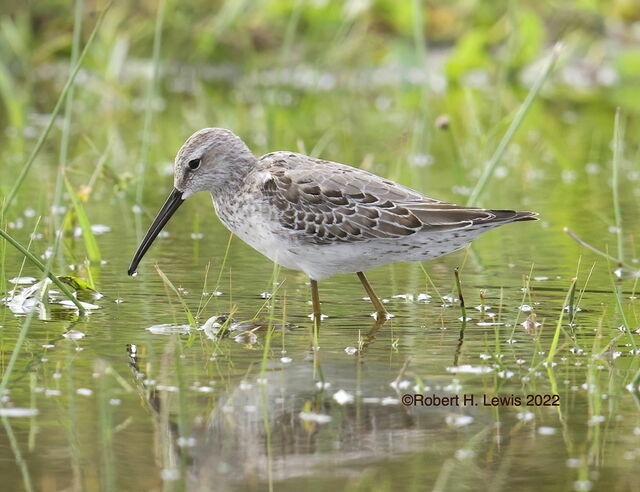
(360,81)
(421,92)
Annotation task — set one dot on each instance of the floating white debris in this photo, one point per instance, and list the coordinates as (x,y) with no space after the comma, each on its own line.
(196,236)
(26,299)
(73,335)
(573,462)
(506,374)
(547,431)
(266,295)
(469,369)
(525,416)
(351,350)
(18,412)
(98,229)
(406,297)
(170,474)
(245,385)
(204,389)
(169,329)
(423,297)
(540,279)
(22,280)
(323,385)
(389,400)
(459,420)
(396,385)
(322,316)
(387,316)
(525,308)
(168,388)
(66,303)
(483,307)
(454,387)
(596,419)
(84,391)
(576,309)
(318,418)
(371,400)
(186,442)
(463,454)
(286,360)
(215,293)
(342,397)
(115,402)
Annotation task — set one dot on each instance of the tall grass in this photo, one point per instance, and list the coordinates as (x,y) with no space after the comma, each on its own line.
(556,335)
(618,139)
(185,306)
(152,84)
(491,166)
(24,171)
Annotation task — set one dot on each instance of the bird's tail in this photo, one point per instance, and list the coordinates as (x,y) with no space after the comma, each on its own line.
(513,215)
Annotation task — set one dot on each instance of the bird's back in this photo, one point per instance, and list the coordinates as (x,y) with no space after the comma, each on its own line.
(326,202)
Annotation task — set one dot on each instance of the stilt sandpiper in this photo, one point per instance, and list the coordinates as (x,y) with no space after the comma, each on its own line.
(318,216)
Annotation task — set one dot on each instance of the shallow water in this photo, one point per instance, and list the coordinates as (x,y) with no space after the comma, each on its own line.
(134,398)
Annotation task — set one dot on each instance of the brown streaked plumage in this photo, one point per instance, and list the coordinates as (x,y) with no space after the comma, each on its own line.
(318,216)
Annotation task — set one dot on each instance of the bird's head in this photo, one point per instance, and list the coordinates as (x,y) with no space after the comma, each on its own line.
(211,159)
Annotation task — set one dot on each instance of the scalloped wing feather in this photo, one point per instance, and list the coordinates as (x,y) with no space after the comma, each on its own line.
(345,204)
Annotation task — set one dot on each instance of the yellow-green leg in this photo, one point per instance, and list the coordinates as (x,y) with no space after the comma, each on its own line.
(315,301)
(377,304)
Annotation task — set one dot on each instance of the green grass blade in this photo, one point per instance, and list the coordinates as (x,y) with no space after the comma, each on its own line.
(52,118)
(488,171)
(151,91)
(618,137)
(90,243)
(556,335)
(168,283)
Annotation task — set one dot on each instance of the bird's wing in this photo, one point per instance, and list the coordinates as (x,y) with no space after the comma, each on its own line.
(325,202)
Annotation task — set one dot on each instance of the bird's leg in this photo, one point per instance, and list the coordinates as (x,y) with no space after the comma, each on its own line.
(315,301)
(380,310)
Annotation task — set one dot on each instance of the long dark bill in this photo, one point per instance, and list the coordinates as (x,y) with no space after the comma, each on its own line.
(170,206)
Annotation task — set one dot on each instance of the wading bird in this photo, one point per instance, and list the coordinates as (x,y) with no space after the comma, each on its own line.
(318,216)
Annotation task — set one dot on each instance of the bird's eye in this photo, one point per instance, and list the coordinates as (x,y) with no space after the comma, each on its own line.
(194,164)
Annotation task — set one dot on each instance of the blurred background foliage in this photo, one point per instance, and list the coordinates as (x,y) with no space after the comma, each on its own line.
(339,79)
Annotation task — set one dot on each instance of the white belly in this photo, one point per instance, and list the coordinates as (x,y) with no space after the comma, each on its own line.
(254,226)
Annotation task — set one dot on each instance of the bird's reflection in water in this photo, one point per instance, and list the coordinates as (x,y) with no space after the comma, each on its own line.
(300,420)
